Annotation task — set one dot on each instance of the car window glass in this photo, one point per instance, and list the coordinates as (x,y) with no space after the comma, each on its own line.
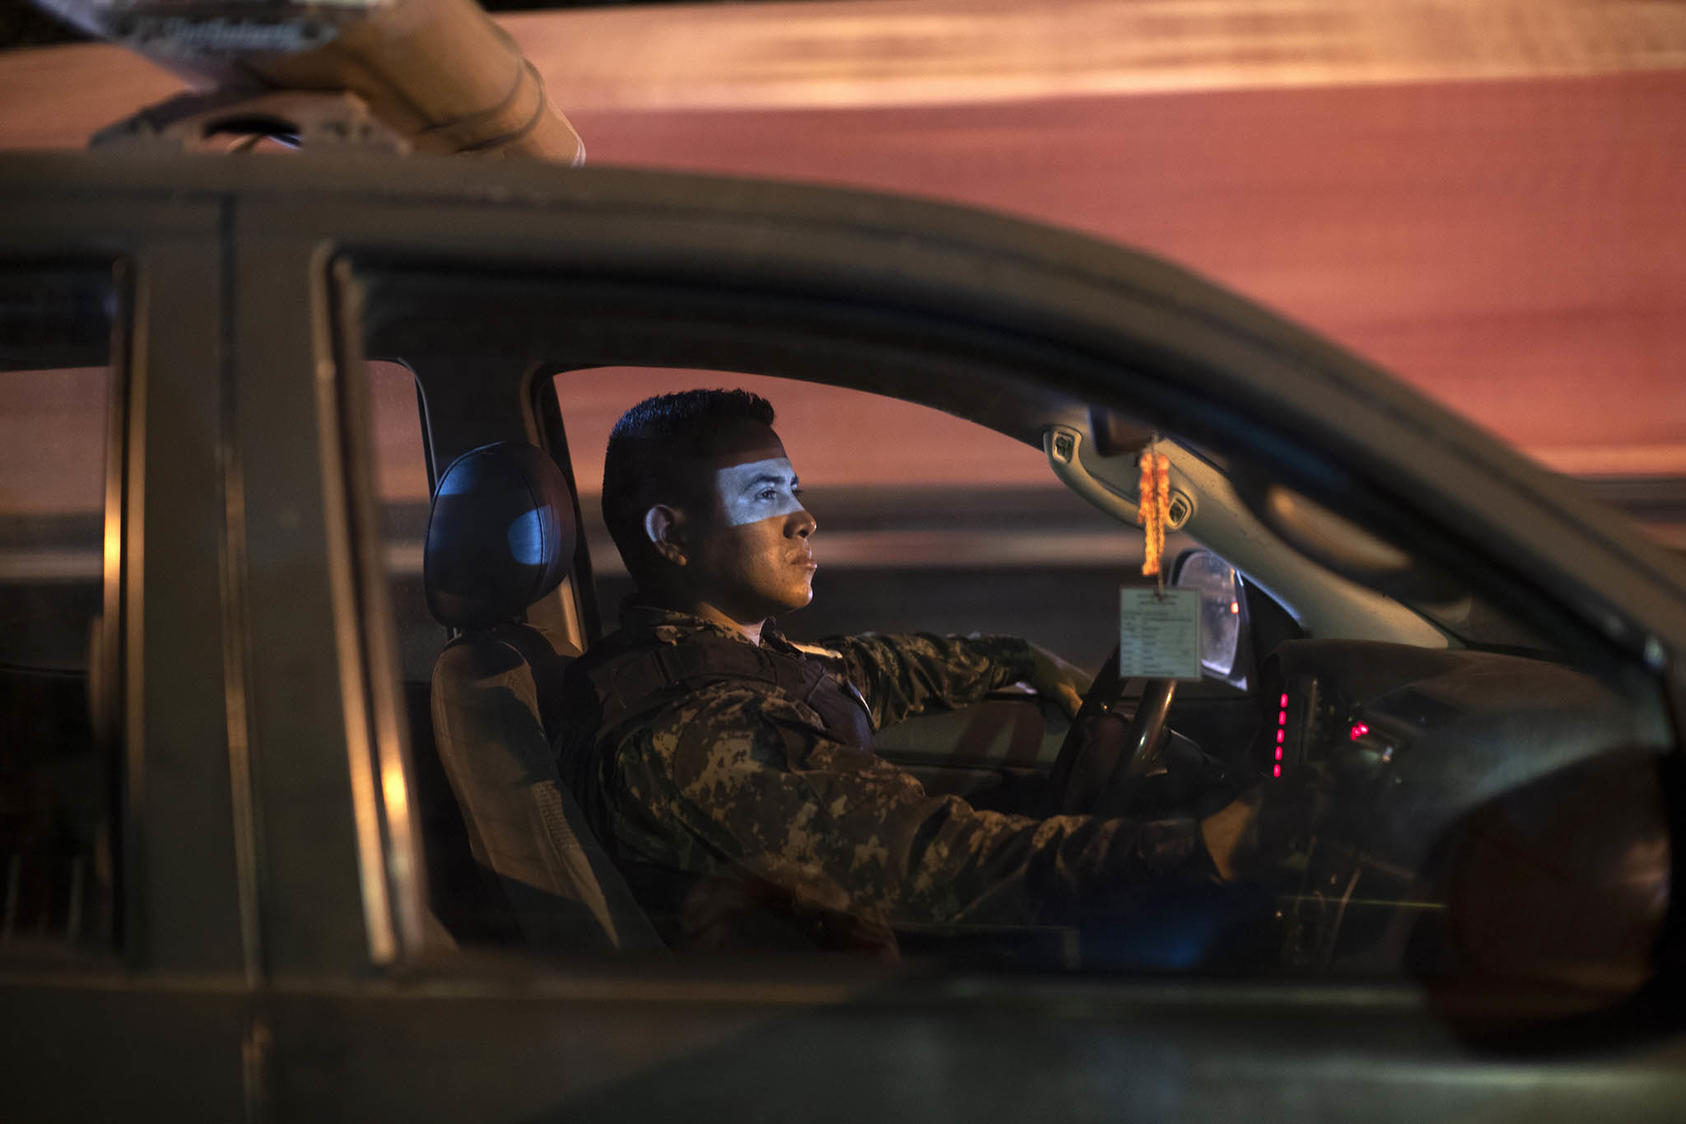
(53,468)
(401,486)
(926,521)
(57,779)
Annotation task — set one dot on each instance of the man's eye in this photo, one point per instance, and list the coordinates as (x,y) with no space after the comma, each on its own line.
(768,494)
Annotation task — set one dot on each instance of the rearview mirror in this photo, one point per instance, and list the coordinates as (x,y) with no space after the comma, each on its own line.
(1223,611)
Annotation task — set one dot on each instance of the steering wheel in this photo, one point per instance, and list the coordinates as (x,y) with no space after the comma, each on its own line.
(1102,758)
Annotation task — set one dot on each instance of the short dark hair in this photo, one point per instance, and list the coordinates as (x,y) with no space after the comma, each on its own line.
(648,448)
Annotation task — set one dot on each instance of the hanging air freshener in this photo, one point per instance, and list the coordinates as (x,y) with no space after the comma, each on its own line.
(1153,509)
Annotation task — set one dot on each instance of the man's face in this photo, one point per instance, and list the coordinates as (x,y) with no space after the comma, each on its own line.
(749,553)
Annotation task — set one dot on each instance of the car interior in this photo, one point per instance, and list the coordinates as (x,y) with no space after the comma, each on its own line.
(1415,702)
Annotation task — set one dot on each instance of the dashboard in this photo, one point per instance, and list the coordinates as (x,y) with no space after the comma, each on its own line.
(1398,747)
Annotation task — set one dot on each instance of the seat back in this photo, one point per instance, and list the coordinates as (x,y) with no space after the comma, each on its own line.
(500,536)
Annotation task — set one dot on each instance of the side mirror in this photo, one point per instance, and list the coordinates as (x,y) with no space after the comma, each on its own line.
(1557,899)
(1223,612)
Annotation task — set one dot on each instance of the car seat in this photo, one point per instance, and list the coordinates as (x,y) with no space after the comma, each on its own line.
(500,536)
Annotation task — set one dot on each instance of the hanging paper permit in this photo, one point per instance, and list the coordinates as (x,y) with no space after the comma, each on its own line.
(1159,633)
(1159,628)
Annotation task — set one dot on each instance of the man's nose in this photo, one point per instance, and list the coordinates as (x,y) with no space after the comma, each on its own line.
(802,523)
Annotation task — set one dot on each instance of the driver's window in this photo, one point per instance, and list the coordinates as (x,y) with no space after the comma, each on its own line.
(1359,784)
(927,522)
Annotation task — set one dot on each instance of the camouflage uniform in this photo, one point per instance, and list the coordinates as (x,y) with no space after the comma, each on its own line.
(739,773)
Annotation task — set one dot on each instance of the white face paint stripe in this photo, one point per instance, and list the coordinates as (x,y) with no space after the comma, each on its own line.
(758,490)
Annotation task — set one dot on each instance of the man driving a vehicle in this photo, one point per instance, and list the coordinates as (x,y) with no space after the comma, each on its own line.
(705,744)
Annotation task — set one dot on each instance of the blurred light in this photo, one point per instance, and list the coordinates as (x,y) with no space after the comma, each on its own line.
(395,791)
(1284,703)
(1235,607)
(1359,729)
(1281,736)
(1276,770)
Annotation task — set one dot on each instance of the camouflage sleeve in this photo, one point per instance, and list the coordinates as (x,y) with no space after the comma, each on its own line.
(742,777)
(904,675)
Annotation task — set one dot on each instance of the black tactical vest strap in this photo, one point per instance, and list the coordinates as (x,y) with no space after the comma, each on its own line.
(634,683)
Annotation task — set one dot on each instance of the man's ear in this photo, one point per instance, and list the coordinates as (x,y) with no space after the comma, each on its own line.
(664,527)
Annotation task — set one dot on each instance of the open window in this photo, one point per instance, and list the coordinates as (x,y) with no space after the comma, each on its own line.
(927,521)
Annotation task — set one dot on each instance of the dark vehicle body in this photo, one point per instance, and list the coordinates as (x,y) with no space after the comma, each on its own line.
(272,951)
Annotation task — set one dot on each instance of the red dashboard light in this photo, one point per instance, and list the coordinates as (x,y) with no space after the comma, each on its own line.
(1282,718)
(1284,703)
(1281,736)
(1359,729)
(1276,770)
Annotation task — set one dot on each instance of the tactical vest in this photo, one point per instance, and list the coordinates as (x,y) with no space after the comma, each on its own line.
(637,682)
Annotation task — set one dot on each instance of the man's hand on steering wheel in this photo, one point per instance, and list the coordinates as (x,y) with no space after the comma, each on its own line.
(1255,831)
(1058,680)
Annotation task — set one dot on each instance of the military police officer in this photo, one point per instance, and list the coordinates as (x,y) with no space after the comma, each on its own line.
(708,750)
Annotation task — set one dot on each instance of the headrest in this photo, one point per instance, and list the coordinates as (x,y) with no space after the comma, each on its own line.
(501,535)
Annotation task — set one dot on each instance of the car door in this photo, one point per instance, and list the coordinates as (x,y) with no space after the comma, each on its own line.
(126,952)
